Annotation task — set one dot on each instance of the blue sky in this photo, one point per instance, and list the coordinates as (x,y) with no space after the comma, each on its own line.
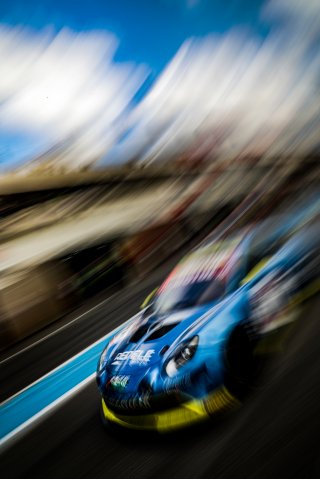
(149,34)
(149,31)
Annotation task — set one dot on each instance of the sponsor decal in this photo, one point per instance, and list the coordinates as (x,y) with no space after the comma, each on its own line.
(139,357)
(119,382)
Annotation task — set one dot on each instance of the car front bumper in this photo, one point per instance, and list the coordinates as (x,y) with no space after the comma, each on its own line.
(186,414)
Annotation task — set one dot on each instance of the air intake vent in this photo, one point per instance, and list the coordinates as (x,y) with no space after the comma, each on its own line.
(159,332)
(142,331)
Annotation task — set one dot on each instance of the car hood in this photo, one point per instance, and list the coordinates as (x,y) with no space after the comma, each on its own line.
(135,361)
(146,343)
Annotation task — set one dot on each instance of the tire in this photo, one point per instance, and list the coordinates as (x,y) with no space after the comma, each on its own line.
(243,366)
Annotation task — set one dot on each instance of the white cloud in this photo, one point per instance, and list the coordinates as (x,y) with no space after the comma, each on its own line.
(246,95)
(64,86)
(253,96)
(294,9)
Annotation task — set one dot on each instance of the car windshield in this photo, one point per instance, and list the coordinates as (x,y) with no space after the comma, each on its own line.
(200,278)
(189,295)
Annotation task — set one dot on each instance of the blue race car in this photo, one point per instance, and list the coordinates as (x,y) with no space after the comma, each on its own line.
(199,342)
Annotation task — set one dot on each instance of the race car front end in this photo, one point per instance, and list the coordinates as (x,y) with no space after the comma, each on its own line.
(156,387)
(169,419)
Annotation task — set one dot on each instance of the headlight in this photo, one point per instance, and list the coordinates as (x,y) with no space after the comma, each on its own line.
(181,356)
(102,360)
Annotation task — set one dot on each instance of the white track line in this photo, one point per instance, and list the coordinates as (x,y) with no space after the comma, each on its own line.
(8,440)
(69,360)
(32,345)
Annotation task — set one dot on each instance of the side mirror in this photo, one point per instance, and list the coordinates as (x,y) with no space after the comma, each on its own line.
(149,298)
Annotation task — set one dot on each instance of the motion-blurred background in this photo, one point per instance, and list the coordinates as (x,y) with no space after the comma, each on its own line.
(129,130)
(128,127)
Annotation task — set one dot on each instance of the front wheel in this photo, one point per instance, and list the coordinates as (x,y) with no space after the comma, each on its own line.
(243,365)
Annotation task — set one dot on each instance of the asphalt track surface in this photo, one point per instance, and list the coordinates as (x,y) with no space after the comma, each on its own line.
(275,433)
(70,336)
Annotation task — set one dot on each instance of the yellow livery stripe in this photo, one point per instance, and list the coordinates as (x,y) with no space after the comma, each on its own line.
(181,416)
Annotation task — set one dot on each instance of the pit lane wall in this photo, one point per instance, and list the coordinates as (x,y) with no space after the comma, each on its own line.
(30,300)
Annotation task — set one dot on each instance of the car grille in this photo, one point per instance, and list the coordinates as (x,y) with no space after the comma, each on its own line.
(144,403)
